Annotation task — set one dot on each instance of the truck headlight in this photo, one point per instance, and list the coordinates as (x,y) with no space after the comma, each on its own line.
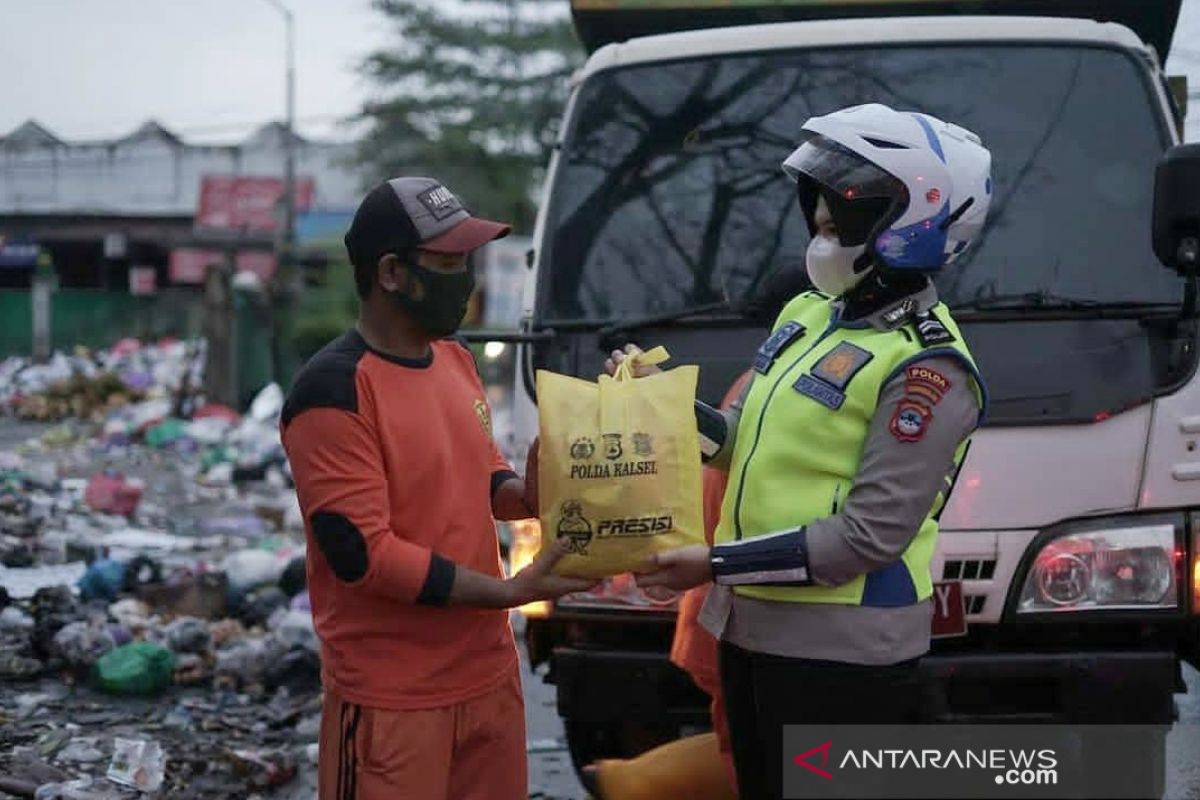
(1125,564)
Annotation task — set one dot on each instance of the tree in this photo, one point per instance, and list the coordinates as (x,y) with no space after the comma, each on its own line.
(471,93)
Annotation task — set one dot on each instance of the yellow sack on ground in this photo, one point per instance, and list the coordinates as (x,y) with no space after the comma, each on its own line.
(619,469)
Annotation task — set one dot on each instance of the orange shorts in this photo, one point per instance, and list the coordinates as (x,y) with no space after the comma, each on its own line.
(474,750)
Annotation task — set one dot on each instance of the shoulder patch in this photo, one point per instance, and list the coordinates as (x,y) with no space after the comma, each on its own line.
(910,420)
(920,375)
(773,346)
(327,380)
(930,330)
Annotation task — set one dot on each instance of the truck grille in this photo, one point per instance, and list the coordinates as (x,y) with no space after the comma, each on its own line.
(969,570)
(974,603)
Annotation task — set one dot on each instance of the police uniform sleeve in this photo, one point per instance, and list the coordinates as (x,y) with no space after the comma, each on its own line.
(908,458)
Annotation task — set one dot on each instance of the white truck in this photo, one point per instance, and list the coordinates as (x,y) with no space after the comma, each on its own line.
(1069,558)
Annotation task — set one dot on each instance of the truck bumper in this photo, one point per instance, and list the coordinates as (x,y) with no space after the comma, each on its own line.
(598,686)
(626,686)
(1065,688)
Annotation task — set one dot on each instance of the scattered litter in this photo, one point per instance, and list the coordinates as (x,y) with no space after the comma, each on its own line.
(264,768)
(80,751)
(138,763)
(188,635)
(248,569)
(152,583)
(137,668)
(26,581)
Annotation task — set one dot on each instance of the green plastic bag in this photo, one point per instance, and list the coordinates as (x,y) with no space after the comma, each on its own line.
(166,432)
(138,668)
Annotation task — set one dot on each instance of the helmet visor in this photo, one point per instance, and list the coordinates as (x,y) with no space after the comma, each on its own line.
(841,169)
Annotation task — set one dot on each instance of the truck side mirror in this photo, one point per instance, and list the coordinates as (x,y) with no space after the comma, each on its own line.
(1177,209)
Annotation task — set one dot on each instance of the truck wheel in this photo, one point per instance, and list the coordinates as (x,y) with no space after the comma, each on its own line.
(591,741)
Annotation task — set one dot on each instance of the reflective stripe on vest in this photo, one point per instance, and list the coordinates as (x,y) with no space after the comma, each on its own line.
(800,438)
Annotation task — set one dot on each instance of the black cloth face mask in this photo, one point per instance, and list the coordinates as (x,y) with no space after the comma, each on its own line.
(443,302)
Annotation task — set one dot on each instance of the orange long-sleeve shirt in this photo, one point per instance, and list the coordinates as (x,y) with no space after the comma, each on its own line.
(395,467)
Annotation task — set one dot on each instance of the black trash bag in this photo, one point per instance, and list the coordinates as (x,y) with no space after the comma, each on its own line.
(294,579)
(17,556)
(258,606)
(298,671)
(52,608)
(141,571)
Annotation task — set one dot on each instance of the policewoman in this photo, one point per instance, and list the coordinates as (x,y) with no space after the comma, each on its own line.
(846,443)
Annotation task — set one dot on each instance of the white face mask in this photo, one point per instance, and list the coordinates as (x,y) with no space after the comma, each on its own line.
(830,265)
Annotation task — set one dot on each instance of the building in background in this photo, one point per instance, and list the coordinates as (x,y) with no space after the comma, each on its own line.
(144,215)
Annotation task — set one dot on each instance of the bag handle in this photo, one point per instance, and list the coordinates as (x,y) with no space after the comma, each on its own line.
(625,370)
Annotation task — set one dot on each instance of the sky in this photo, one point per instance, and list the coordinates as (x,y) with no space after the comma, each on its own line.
(213,70)
(207,69)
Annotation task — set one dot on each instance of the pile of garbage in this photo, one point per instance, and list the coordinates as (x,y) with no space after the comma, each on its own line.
(89,385)
(155,632)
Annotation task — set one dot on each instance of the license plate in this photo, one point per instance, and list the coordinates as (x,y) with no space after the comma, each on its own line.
(949,613)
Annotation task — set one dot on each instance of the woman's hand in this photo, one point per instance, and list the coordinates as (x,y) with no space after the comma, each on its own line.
(631,350)
(678,569)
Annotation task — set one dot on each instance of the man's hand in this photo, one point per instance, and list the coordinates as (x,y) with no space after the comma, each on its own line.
(641,371)
(538,582)
(531,478)
(679,569)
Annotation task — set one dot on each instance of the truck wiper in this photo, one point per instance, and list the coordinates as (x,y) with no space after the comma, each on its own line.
(1048,301)
(635,323)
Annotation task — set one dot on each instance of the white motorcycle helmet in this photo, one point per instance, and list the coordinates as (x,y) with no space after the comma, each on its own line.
(908,191)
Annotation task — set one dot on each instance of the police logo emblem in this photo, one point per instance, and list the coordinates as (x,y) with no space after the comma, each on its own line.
(574,527)
(485,416)
(910,421)
(612,446)
(582,449)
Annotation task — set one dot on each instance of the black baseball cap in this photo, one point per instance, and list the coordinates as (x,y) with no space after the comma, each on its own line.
(404,214)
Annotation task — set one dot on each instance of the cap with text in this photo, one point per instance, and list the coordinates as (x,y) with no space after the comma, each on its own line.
(408,213)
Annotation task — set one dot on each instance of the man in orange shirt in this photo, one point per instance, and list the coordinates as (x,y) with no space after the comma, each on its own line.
(388,432)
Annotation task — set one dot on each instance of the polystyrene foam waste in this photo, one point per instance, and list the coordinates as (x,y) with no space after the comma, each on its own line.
(22,582)
(268,403)
(209,430)
(128,542)
(246,569)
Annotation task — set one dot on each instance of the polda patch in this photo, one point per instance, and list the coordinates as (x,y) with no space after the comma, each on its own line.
(917,374)
(911,420)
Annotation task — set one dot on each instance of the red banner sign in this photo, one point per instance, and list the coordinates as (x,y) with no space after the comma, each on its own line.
(251,204)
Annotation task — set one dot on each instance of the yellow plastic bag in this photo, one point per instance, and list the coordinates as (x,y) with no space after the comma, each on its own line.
(619,469)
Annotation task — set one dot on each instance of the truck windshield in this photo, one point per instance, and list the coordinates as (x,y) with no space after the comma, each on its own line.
(669,193)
